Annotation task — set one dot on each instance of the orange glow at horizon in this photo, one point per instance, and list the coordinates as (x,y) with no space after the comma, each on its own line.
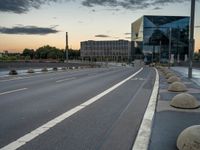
(18,43)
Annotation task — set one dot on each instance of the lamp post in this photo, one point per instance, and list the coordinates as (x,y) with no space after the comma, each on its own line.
(191,45)
(160,52)
(170,46)
(66,48)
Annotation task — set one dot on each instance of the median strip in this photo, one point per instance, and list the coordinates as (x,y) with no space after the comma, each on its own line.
(13,91)
(40,130)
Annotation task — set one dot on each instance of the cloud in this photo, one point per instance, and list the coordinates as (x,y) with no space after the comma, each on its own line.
(22,6)
(91,3)
(130,4)
(156,8)
(112,9)
(102,36)
(28,30)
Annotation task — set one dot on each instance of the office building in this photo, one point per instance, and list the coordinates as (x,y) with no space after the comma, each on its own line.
(154,38)
(118,50)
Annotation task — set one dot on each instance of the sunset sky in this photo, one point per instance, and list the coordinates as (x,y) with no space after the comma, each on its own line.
(31,23)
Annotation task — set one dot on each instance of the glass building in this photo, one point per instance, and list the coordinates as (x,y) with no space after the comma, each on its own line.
(151,37)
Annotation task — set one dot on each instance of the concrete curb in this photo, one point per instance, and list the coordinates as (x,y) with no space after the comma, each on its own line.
(144,133)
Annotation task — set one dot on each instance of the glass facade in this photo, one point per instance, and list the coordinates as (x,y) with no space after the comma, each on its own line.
(151,36)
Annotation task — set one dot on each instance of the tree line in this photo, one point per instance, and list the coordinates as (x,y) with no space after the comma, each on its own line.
(48,52)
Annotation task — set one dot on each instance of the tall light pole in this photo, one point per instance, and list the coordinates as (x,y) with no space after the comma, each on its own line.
(191,44)
(66,47)
(170,46)
(160,52)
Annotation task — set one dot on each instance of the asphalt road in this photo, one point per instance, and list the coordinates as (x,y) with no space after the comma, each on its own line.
(110,122)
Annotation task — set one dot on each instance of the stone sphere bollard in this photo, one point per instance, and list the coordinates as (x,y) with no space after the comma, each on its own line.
(184,101)
(168,75)
(173,79)
(44,70)
(177,87)
(55,69)
(64,68)
(166,71)
(13,72)
(189,139)
(30,71)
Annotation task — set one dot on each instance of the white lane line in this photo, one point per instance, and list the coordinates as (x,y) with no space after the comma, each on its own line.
(16,78)
(12,91)
(33,134)
(144,133)
(65,79)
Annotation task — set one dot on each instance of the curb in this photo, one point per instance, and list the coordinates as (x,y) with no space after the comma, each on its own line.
(144,133)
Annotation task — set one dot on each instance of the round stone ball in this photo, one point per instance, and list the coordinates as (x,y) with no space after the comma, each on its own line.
(30,71)
(173,79)
(189,139)
(168,75)
(177,87)
(184,101)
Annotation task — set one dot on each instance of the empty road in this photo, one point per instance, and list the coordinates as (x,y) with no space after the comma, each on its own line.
(89,109)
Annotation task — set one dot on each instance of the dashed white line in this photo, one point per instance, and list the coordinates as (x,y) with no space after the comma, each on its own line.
(16,78)
(65,79)
(12,91)
(33,134)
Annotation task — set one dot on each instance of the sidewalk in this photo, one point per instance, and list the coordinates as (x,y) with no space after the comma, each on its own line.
(169,122)
(184,71)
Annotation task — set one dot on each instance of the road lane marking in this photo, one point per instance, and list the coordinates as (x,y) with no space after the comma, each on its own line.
(16,78)
(13,91)
(144,132)
(58,81)
(140,79)
(40,130)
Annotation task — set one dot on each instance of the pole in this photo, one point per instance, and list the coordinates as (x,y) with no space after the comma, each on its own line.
(160,52)
(170,46)
(191,44)
(66,48)
(152,57)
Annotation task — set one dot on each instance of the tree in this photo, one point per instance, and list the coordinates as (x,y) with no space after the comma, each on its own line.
(74,53)
(28,53)
(197,55)
(48,52)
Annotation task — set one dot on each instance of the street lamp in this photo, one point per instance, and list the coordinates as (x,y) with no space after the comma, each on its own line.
(191,48)
(66,48)
(160,52)
(170,46)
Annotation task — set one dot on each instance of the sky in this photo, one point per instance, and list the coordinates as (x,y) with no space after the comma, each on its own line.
(32,24)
